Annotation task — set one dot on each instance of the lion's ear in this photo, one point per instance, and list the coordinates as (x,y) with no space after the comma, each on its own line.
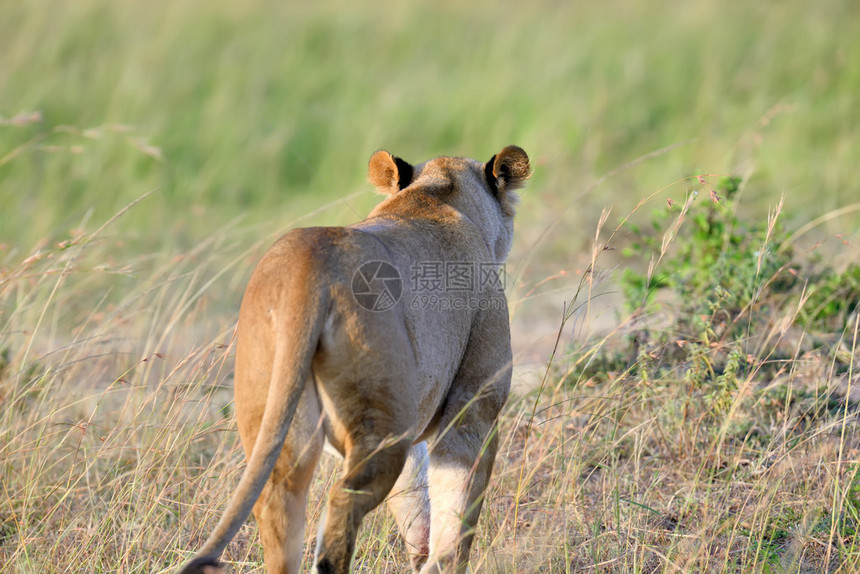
(388,173)
(508,169)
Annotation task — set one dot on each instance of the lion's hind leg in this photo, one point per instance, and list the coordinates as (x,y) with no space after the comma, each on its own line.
(377,444)
(280,510)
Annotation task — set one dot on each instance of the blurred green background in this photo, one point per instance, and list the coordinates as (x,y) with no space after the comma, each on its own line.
(265,110)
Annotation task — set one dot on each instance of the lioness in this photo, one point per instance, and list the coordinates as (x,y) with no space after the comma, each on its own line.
(341,338)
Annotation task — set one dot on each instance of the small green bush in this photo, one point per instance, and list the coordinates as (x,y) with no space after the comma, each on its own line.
(725,281)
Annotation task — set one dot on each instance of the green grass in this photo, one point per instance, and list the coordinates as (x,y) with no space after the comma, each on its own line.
(149,153)
(247,108)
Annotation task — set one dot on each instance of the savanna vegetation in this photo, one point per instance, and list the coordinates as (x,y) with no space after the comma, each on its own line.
(684,283)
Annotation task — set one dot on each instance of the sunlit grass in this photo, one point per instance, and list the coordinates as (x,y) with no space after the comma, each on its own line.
(119,446)
(150,153)
(226,109)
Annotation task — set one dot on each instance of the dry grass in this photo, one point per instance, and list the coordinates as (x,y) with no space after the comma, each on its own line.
(119,449)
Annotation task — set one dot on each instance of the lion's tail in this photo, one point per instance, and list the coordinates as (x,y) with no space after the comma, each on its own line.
(290,369)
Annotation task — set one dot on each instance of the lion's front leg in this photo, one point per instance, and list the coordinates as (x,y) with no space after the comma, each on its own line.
(409,501)
(460,469)
(464,449)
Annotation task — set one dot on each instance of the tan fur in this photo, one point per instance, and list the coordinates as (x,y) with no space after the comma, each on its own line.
(409,395)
